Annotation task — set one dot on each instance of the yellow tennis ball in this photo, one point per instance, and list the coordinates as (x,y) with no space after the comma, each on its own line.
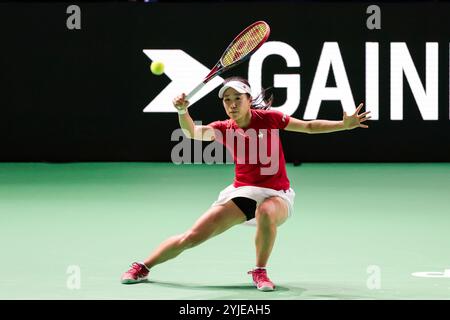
(157,68)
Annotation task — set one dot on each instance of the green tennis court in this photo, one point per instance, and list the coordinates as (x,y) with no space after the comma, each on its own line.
(358,232)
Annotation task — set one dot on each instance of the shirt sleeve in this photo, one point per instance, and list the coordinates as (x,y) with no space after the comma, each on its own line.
(278,120)
(220,126)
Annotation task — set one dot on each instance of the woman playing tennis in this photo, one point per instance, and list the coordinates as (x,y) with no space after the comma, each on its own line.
(261,193)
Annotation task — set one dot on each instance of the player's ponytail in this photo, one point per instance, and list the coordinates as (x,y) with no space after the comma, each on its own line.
(263,101)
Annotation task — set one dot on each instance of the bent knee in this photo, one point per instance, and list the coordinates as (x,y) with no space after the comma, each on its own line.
(191,239)
(265,216)
(272,212)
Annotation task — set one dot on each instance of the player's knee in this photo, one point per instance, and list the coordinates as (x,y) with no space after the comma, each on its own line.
(265,214)
(190,239)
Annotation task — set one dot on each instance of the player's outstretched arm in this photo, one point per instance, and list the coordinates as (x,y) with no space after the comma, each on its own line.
(325,126)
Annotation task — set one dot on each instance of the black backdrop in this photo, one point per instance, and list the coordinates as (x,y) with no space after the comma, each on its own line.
(79,95)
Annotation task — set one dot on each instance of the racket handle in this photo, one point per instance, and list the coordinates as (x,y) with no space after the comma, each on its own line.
(195,90)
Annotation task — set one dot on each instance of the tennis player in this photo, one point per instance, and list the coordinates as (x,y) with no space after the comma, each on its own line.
(260,194)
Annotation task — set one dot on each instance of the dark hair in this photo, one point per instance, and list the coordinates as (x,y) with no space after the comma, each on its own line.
(262,101)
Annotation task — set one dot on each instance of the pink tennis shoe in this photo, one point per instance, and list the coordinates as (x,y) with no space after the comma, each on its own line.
(137,273)
(261,281)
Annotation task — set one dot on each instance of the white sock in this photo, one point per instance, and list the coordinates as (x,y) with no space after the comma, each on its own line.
(261,268)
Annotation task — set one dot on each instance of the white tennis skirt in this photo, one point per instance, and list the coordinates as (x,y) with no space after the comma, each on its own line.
(258,194)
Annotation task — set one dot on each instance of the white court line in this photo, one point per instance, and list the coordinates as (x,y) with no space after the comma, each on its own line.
(432,274)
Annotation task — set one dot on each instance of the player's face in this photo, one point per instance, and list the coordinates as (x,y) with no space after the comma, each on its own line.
(236,104)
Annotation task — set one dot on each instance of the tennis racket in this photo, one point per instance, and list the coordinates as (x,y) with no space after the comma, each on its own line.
(241,48)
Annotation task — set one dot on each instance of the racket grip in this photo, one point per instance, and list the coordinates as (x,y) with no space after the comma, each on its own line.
(194,91)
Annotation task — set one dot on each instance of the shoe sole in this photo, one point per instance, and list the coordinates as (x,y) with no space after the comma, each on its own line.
(265,289)
(132,281)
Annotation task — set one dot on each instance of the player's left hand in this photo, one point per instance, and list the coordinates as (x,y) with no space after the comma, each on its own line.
(356,120)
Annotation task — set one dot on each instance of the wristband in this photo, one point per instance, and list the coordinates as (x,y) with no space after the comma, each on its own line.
(181,111)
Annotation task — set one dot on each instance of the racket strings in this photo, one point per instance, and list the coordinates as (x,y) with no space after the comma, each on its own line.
(245,44)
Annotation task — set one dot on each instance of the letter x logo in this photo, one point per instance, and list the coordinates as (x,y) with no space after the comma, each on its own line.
(185,72)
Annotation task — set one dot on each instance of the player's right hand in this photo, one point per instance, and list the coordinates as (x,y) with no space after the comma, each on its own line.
(180,102)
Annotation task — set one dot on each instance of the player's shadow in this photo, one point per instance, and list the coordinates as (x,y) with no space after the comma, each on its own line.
(290,291)
(248,290)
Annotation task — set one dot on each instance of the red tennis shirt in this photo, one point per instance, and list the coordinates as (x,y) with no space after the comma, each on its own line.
(257,151)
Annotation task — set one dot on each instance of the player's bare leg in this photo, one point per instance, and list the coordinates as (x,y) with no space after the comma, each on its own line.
(213,222)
